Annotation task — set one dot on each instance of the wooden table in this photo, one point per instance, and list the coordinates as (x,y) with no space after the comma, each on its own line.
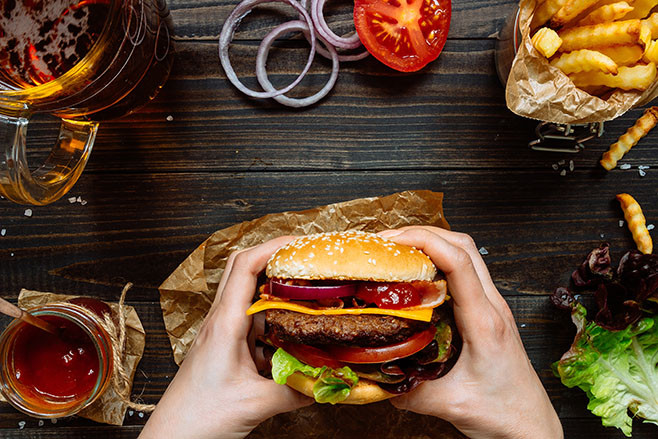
(156,186)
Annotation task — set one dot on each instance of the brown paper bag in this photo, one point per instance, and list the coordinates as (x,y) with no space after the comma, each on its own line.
(537,90)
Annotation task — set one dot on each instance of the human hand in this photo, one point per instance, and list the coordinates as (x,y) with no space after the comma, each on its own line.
(493,390)
(217,392)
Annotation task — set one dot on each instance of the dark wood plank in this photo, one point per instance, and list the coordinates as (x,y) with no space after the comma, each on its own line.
(203,20)
(139,227)
(450,116)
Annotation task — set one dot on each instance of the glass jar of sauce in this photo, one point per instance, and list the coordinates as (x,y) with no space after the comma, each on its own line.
(50,376)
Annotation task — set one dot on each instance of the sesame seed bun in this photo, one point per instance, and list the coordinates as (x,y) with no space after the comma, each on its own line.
(365,391)
(350,255)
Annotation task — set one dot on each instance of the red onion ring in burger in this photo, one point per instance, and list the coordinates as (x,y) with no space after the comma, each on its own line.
(226,36)
(303,292)
(261,60)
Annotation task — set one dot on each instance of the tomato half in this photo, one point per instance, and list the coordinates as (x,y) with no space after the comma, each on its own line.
(403,34)
(381,354)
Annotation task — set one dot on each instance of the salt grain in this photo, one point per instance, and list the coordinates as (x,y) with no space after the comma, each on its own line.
(483,251)
(53,421)
(625,166)
(41,423)
(130,413)
(650,227)
(571,165)
(562,162)
(72,200)
(140,414)
(643,167)
(28,212)
(642,172)
(170,118)
(602,235)
(621,223)
(21,425)
(555,166)
(3,232)
(563,173)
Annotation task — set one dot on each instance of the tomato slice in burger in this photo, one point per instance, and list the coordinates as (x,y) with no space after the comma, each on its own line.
(403,34)
(308,354)
(381,354)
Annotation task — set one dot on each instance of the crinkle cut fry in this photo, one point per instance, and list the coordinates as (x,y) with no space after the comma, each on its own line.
(584,60)
(629,139)
(636,223)
(605,13)
(601,35)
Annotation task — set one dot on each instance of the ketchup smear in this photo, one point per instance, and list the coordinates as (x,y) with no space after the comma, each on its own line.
(389,295)
(63,366)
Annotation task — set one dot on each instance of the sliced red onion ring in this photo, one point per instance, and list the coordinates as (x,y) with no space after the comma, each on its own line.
(321,27)
(301,292)
(261,60)
(226,36)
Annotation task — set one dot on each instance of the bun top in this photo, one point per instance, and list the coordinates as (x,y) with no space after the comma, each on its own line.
(351,255)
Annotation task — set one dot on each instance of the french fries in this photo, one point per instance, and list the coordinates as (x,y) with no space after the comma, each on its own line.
(584,60)
(623,55)
(545,11)
(638,77)
(641,8)
(606,13)
(570,10)
(637,224)
(546,41)
(652,22)
(629,139)
(601,35)
(601,45)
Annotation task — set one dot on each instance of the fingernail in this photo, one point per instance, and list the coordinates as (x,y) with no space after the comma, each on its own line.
(390,233)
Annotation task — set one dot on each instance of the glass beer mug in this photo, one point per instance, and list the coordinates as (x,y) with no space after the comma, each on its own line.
(84,61)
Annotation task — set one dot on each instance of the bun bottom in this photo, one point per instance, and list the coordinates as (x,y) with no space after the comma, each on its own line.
(365,391)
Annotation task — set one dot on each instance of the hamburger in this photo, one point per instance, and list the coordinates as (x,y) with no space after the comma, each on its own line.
(353,318)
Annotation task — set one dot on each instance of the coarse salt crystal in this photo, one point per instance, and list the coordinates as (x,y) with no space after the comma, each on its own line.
(41,423)
(71,200)
(170,118)
(643,167)
(140,414)
(555,166)
(625,166)
(21,425)
(621,223)
(130,413)
(642,172)
(602,235)
(571,165)
(28,212)
(3,232)
(563,173)
(53,421)
(483,251)
(650,227)
(562,162)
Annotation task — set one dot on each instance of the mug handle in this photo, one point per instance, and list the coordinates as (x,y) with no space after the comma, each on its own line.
(56,175)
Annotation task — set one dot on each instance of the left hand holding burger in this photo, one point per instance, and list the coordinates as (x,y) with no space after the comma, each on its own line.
(493,390)
(217,392)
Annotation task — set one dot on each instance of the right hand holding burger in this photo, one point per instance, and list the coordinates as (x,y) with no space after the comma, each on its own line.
(493,390)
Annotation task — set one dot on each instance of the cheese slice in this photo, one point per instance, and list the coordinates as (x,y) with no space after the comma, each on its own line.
(424,315)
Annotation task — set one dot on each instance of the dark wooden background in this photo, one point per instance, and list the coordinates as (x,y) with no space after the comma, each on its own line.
(155,189)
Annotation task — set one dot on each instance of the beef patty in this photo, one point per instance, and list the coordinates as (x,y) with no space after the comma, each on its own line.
(354,330)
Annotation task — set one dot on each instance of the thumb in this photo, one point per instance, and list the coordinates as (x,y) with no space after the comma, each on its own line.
(282,399)
(429,398)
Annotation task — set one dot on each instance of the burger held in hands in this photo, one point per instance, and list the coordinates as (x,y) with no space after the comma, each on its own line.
(354,318)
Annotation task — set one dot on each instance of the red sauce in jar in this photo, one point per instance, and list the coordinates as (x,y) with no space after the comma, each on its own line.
(61,367)
(389,295)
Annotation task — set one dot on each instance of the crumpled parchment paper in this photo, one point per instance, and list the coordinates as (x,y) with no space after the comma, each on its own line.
(537,90)
(109,408)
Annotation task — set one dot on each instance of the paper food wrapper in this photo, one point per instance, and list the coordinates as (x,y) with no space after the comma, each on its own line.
(109,407)
(189,291)
(537,90)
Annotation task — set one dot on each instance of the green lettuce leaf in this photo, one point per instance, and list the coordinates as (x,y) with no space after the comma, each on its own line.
(618,370)
(332,385)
